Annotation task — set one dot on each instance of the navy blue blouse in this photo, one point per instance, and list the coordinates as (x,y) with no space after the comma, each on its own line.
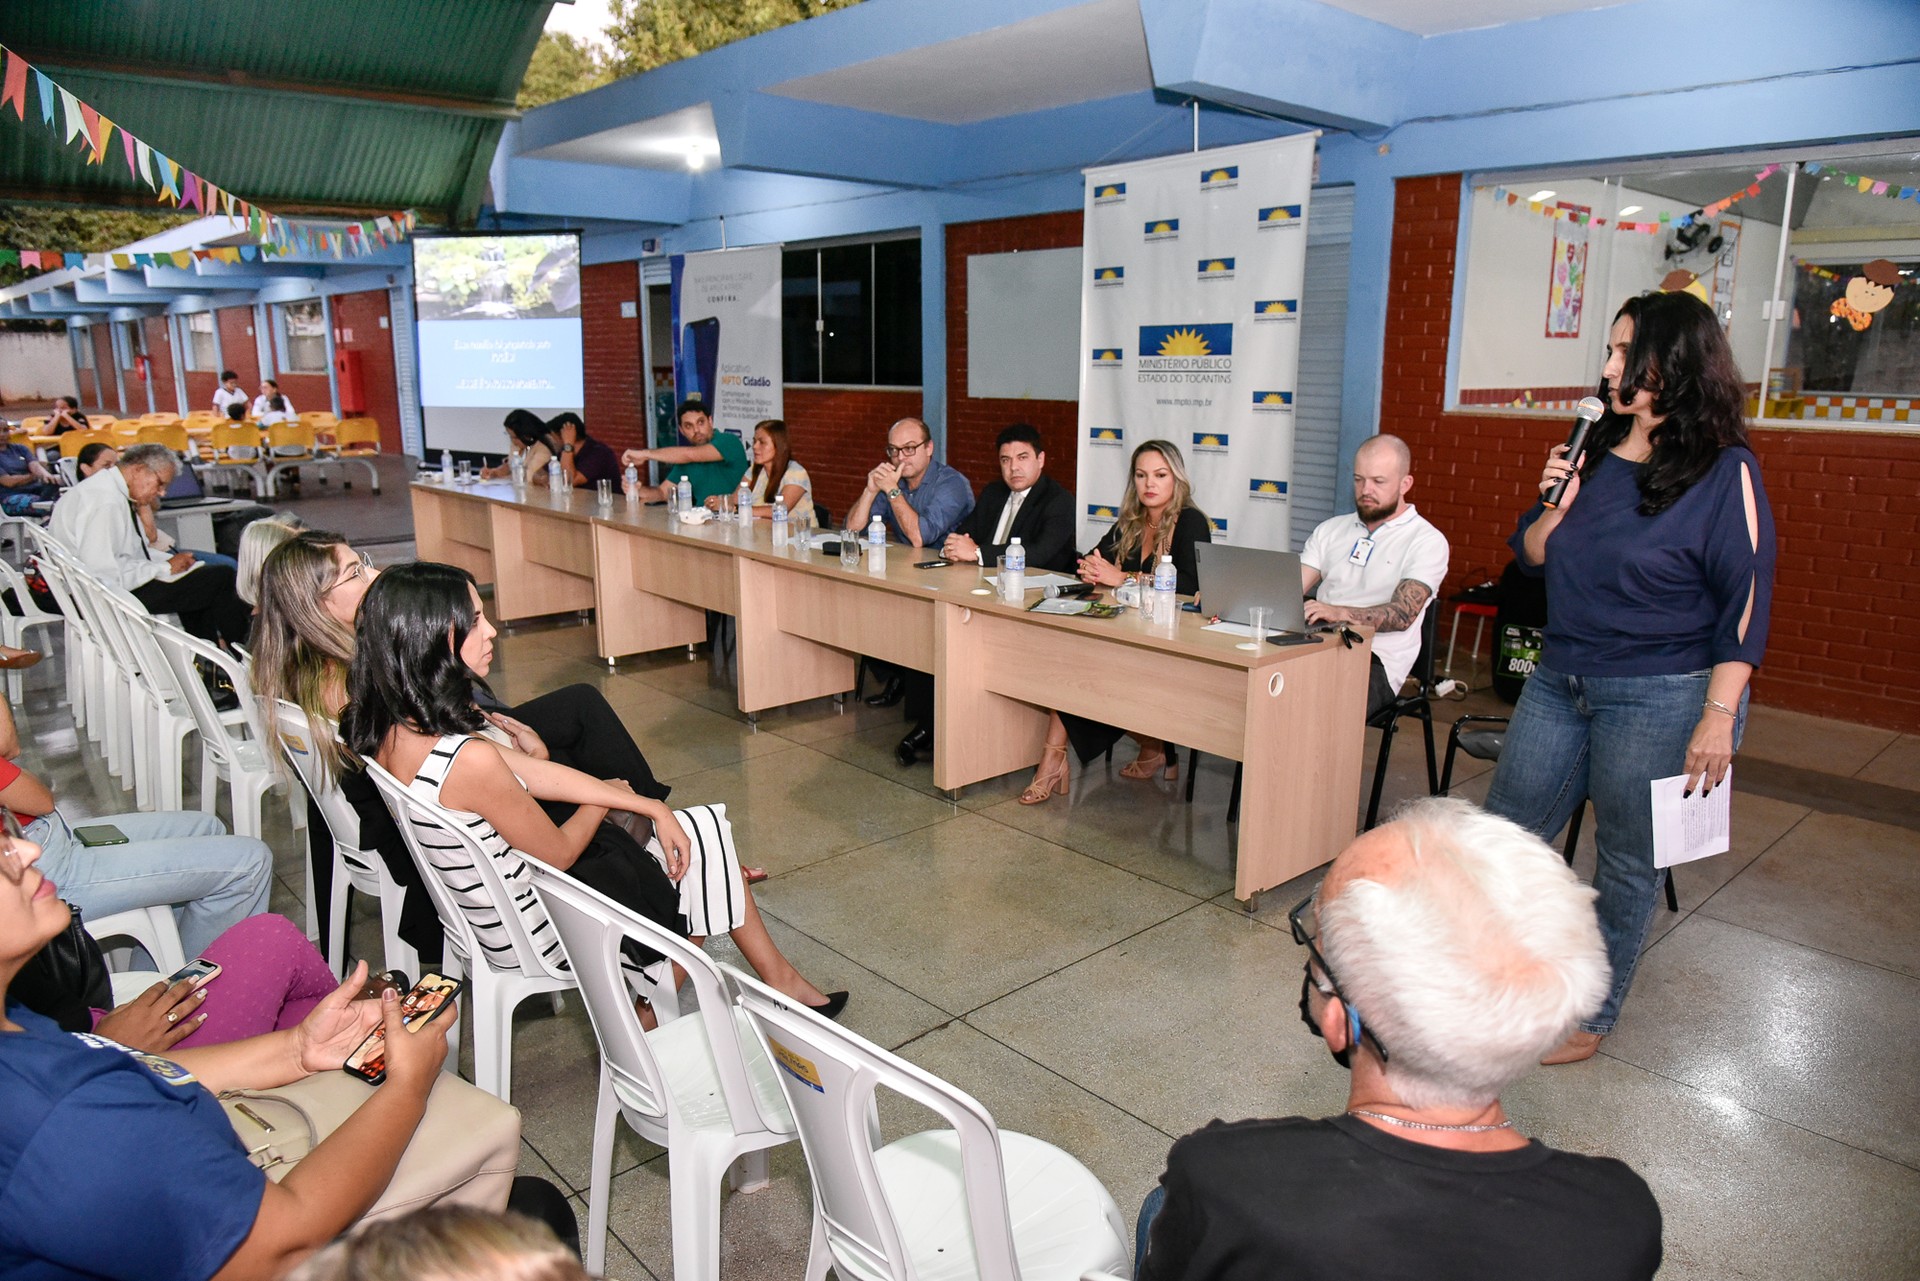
(1633,595)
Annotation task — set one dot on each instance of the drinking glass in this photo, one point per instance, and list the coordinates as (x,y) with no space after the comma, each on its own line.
(849,548)
(1013,587)
(603,490)
(463,472)
(1257,616)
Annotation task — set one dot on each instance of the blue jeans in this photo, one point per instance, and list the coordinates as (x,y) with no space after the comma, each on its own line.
(1602,739)
(184,858)
(1149,1208)
(215,558)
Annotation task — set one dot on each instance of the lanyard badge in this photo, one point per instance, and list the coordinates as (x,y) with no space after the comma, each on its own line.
(1362,552)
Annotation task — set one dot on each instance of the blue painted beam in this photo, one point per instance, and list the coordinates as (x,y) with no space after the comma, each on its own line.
(117,286)
(784,135)
(1291,58)
(570,189)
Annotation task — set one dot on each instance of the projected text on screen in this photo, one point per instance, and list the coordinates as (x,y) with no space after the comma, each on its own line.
(498,329)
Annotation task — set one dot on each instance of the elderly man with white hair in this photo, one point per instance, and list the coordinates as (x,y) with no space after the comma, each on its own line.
(1446,952)
(99,518)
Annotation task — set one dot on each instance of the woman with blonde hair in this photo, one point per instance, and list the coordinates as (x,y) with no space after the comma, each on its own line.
(447,1243)
(257,542)
(1157,518)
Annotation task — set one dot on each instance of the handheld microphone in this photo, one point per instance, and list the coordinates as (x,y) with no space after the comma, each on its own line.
(1589,410)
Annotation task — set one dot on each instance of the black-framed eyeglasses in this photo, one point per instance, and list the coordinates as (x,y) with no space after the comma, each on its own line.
(361,568)
(901,451)
(1305,928)
(10,865)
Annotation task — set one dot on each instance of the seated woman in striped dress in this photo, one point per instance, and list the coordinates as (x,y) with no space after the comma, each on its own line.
(422,640)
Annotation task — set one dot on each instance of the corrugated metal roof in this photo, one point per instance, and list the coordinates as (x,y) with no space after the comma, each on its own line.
(361,105)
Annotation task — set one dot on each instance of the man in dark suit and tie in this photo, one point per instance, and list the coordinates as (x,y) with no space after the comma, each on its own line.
(1025,503)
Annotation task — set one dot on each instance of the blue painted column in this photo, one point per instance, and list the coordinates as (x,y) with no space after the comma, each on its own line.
(1369,281)
(933,331)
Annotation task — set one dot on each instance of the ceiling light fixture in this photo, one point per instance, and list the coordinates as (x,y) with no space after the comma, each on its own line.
(1630,209)
(1538,196)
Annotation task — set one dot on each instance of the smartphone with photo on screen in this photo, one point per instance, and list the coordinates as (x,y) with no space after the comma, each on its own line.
(202,971)
(427,1001)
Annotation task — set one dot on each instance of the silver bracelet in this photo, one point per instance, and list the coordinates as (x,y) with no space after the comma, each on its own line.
(1722,707)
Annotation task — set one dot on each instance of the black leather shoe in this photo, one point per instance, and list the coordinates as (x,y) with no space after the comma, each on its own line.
(836,1002)
(892,692)
(909,749)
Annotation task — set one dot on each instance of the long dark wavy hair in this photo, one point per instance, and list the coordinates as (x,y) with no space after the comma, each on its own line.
(406,657)
(1680,354)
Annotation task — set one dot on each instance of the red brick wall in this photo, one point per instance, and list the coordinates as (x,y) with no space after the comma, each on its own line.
(840,434)
(972,424)
(1846,595)
(310,393)
(238,349)
(160,362)
(201,384)
(92,389)
(616,409)
(357,328)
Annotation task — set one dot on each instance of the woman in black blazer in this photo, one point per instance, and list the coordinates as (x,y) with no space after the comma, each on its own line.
(1157,518)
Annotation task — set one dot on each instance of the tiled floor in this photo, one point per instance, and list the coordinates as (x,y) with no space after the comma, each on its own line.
(1083,970)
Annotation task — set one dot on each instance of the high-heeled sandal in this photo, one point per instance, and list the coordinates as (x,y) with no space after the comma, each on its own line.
(1144,767)
(753,875)
(1046,781)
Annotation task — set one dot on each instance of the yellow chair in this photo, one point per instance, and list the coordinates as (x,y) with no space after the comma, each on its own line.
(74,441)
(101,420)
(35,426)
(173,435)
(236,447)
(357,440)
(158,417)
(288,445)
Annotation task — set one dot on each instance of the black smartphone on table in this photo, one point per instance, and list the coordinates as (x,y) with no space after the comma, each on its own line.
(97,834)
(425,1003)
(933,564)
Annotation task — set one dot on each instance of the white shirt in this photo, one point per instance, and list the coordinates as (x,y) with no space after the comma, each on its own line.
(266,416)
(96,519)
(1007,513)
(222,398)
(1405,547)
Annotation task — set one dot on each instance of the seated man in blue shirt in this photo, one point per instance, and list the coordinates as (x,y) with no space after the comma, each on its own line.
(920,500)
(24,480)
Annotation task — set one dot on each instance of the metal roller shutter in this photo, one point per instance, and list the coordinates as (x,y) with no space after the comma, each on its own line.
(1323,344)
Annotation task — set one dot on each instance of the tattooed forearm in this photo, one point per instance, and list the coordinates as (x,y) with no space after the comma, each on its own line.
(1398,613)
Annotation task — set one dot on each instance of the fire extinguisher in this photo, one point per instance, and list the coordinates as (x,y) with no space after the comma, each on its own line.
(142,365)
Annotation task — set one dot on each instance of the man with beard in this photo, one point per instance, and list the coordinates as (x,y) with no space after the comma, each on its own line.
(1381,566)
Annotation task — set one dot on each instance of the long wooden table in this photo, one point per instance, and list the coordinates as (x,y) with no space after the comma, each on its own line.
(1294,716)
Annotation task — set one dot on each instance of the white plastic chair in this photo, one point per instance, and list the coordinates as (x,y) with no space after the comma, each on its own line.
(363,869)
(936,1204)
(233,746)
(82,671)
(151,927)
(14,627)
(494,991)
(161,719)
(700,1086)
(114,673)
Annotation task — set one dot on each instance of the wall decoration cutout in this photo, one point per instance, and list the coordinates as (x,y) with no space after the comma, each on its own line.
(1682,281)
(1868,292)
(1567,276)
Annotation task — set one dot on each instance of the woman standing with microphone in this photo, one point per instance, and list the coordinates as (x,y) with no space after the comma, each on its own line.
(1658,556)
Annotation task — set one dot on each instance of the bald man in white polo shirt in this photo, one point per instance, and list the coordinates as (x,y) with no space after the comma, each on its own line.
(1380,566)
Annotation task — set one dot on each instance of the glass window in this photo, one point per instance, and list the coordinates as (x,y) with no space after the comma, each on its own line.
(1550,257)
(133,340)
(896,313)
(303,348)
(82,346)
(199,354)
(800,315)
(851,314)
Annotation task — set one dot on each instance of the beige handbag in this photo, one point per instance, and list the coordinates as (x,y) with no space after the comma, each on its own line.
(465,1150)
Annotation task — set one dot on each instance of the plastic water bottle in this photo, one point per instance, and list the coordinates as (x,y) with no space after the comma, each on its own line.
(555,478)
(743,505)
(1166,592)
(876,546)
(1013,573)
(685,490)
(630,483)
(779,522)
(446,467)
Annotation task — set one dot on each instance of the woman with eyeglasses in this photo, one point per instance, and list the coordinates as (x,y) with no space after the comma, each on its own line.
(310,593)
(123,1164)
(410,708)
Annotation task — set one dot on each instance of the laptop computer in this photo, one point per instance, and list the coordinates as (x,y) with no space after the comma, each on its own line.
(1234,579)
(186,491)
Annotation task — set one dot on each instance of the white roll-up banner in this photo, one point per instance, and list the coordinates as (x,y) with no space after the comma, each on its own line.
(1190,317)
(726,334)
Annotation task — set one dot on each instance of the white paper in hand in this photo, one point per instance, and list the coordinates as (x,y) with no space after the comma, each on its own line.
(1685,827)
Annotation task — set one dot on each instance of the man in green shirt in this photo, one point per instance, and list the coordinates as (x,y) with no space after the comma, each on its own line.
(712,461)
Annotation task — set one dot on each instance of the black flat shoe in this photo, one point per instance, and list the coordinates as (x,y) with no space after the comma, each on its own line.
(836,1002)
(891,693)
